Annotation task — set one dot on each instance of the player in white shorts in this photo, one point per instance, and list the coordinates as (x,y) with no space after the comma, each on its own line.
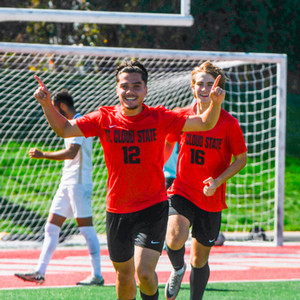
(72,199)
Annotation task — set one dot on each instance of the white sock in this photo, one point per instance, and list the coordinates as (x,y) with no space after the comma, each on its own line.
(50,243)
(91,238)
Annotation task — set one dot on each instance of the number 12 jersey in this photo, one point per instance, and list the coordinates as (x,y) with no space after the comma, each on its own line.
(134,153)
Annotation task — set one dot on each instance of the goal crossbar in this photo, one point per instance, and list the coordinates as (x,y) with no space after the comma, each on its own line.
(97,17)
(147,53)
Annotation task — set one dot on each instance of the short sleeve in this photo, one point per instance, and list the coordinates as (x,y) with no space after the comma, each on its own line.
(175,123)
(90,124)
(236,139)
(75,140)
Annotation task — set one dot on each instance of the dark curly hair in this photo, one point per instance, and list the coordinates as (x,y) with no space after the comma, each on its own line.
(132,66)
(63,96)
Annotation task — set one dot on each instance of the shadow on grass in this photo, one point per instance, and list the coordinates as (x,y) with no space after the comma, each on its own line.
(221,290)
(187,287)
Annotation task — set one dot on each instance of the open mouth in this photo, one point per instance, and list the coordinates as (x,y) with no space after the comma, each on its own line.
(204,96)
(130,98)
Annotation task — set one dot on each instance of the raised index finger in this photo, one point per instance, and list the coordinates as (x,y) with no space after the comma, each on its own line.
(216,82)
(42,84)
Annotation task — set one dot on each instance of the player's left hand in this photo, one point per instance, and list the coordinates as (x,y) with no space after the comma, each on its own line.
(217,94)
(210,186)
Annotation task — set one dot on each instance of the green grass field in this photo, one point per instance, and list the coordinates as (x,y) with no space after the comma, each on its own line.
(279,290)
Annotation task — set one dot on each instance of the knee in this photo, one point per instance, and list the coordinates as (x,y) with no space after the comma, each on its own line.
(198,261)
(51,229)
(175,241)
(144,274)
(124,278)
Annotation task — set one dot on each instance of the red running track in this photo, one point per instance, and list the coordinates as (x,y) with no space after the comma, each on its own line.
(227,263)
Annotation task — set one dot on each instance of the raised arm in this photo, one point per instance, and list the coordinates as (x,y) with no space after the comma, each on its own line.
(61,125)
(210,117)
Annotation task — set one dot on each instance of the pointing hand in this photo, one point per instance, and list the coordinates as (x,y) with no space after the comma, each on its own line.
(42,94)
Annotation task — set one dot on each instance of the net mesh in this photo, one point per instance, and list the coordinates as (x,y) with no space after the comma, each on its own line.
(28,185)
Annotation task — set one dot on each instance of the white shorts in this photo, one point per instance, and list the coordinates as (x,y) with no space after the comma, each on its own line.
(73,201)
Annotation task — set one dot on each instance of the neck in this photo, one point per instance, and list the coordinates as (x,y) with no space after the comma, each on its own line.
(131,112)
(201,107)
(70,114)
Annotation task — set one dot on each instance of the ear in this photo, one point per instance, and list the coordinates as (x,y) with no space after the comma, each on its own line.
(63,106)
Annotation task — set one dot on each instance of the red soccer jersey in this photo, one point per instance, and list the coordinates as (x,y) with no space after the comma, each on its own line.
(134,153)
(206,154)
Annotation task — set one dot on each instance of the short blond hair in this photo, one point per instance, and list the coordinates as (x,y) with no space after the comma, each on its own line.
(211,69)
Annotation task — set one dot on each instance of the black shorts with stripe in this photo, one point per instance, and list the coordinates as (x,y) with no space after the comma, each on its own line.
(145,228)
(205,225)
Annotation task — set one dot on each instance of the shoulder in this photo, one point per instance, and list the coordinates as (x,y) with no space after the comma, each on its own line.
(102,112)
(155,111)
(107,109)
(159,108)
(227,117)
(187,110)
(176,111)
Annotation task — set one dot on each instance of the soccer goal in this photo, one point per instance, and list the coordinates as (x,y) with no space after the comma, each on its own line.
(255,95)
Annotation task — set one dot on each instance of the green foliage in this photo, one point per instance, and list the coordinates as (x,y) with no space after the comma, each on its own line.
(293,126)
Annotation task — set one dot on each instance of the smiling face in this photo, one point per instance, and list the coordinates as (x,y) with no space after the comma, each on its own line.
(202,87)
(131,90)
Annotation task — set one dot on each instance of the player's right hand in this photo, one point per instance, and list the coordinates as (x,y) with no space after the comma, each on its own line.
(35,153)
(42,94)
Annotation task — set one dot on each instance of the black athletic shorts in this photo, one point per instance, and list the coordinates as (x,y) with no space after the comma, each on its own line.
(145,228)
(205,225)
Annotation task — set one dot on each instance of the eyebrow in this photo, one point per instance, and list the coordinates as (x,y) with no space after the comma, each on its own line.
(203,81)
(137,82)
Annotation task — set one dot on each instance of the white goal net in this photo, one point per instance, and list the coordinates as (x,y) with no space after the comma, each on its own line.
(255,95)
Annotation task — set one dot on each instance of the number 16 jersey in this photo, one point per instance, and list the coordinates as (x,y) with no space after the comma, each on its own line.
(203,155)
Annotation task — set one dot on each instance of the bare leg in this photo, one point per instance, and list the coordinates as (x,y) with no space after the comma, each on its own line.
(146,261)
(125,284)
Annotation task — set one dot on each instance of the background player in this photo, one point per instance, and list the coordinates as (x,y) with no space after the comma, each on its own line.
(133,135)
(170,166)
(197,196)
(73,197)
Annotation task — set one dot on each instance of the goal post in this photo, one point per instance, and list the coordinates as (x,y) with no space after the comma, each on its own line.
(184,18)
(255,95)
(280,151)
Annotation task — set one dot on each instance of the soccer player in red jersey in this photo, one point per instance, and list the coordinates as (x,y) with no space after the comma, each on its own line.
(133,135)
(197,195)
